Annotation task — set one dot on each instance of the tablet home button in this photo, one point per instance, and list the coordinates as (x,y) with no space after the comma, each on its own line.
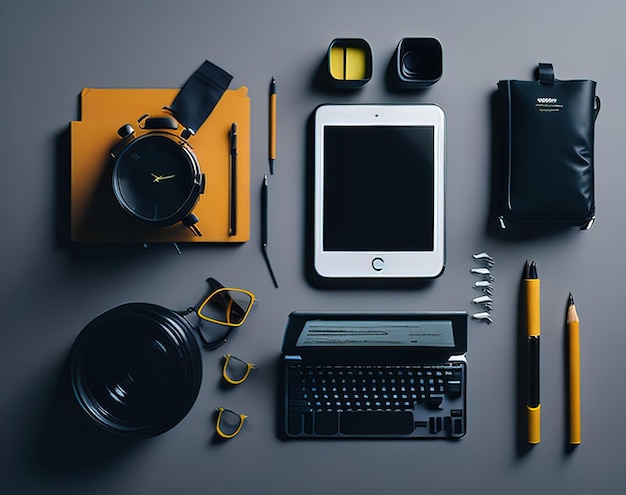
(378,264)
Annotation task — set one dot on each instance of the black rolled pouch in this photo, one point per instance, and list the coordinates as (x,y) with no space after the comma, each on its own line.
(546,169)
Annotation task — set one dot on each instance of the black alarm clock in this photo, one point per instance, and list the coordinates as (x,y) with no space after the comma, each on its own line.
(156,176)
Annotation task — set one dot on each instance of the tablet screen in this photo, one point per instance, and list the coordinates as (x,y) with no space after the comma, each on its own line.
(378,188)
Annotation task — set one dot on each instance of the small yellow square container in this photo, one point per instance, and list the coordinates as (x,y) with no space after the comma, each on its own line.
(349,62)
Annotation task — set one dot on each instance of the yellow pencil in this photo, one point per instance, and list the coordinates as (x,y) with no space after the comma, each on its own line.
(573,325)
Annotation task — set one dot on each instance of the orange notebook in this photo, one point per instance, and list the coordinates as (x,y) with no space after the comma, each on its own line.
(95,214)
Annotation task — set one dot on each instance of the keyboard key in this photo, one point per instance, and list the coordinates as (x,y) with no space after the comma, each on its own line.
(376,423)
(453,387)
(295,424)
(326,423)
(458,426)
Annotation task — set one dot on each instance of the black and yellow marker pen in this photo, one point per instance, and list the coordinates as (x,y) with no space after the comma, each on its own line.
(533,327)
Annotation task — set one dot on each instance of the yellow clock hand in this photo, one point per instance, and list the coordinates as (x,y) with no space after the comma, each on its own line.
(159,178)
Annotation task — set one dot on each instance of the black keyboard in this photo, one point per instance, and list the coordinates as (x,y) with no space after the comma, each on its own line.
(376,401)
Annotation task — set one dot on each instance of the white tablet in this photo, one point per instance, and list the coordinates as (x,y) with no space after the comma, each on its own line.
(378,195)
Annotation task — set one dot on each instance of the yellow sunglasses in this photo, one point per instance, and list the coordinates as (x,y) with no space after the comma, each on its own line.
(229,423)
(226,307)
(235,370)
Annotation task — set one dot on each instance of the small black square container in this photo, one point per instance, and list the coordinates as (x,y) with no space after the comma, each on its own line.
(418,62)
(349,63)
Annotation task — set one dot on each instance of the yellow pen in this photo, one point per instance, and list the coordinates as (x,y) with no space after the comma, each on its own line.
(272,130)
(573,345)
(532,287)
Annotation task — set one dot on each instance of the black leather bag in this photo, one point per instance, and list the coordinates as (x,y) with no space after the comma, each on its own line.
(545,168)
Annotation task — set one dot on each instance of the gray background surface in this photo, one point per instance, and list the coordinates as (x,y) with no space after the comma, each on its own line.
(49,51)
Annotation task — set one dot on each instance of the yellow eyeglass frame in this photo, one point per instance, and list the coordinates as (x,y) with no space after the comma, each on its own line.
(249,368)
(229,307)
(218,429)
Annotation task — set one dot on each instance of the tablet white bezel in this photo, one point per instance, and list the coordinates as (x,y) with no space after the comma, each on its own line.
(380,264)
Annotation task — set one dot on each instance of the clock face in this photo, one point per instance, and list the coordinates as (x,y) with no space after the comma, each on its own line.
(154,178)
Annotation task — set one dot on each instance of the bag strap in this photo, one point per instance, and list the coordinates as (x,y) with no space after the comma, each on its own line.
(546,74)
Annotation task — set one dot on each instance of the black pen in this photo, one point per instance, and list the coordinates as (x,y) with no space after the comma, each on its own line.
(264,221)
(232,227)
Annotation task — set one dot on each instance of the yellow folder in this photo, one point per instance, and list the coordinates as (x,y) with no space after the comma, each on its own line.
(95,214)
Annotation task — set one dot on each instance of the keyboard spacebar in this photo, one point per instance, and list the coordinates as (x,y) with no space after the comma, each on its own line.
(376,423)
